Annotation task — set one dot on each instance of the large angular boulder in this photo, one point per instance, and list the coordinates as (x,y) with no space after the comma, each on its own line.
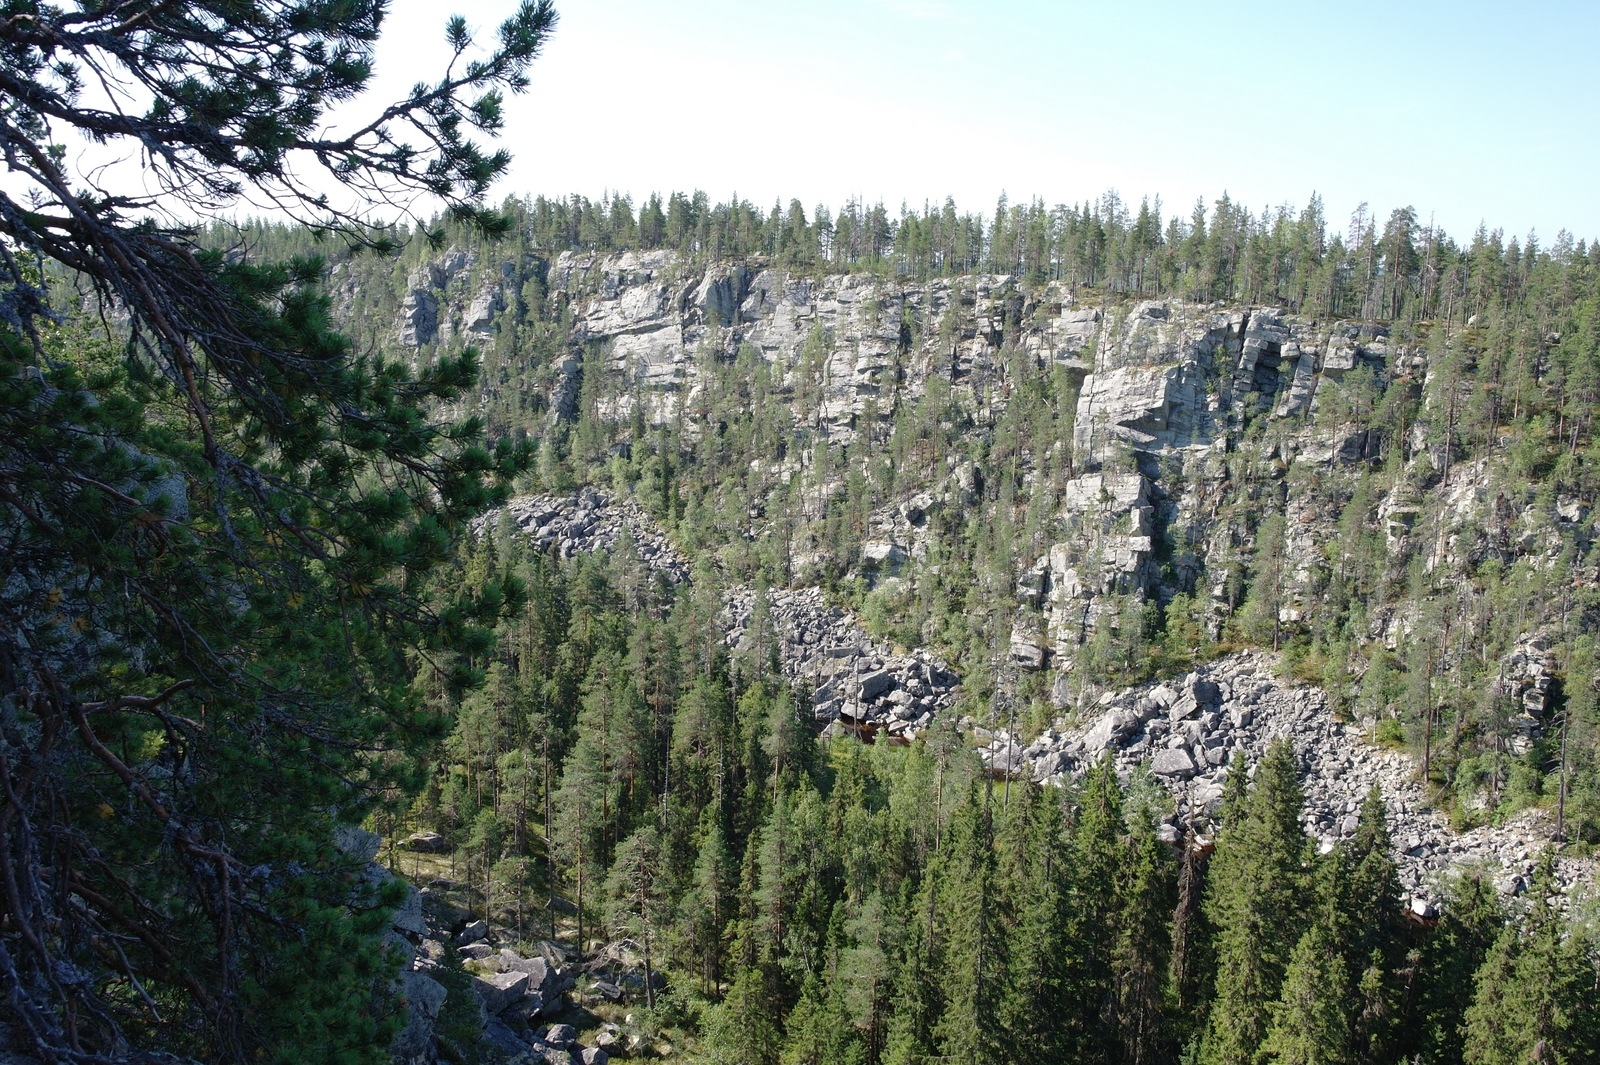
(1173,762)
(423,996)
(500,990)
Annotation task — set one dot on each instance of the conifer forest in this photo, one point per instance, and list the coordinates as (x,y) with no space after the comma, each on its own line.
(583,630)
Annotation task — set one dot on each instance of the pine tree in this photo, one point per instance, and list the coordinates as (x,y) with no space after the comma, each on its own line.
(637,903)
(241,512)
(865,973)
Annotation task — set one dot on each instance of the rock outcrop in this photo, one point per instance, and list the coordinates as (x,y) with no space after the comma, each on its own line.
(1191,733)
(1193,422)
(849,677)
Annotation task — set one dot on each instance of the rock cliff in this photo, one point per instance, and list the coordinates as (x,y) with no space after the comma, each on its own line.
(1242,463)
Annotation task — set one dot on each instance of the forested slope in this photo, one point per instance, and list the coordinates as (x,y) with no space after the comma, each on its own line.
(1063,470)
(1071,452)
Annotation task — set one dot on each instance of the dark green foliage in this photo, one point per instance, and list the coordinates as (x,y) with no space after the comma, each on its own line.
(1256,902)
(1535,997)
(1097,862)
(843,902)
(1139,963)
(973,916)
(1041,1011)
(1449,962)
(1310,1025)
(217,520)
(240,635)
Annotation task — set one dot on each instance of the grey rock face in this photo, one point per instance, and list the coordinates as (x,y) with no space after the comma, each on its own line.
(1221,719)
(424,996)
(818,644)
(419,318)
(499,990)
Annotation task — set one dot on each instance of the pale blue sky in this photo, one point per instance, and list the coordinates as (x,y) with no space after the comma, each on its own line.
(1466,111)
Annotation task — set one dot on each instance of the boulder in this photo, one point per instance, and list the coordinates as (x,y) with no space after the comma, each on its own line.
(1186,707)
(882,553)
(357,843)
(472,933)
(407,917)
(560,1036)
(426,843)
(876,683)
(1113,727)
(508,1046)
(524,1010)
(422,996)
(536,968)
(500,990)
(400,947)
(1173,762)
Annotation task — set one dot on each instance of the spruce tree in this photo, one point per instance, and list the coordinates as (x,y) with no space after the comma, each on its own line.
(1037,1010)
(973,930)
(1370,932)
(1310,1024)
(1535,997)
(918,989)
(1255,897)
(1097,867)
(1139,963)
(1469,926)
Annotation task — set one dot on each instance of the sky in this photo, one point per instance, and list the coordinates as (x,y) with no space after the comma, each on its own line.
(1469,112)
